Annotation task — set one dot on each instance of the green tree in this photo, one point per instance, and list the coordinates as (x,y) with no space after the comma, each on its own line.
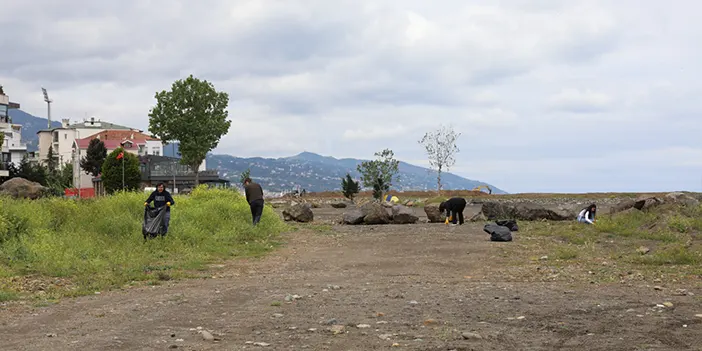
(349,187)
(194,114)
(245,174)
(51,160)
(378,174)
(441,150)
(94,157)
(112,171)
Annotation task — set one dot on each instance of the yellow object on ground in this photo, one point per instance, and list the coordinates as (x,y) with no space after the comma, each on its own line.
(447,221)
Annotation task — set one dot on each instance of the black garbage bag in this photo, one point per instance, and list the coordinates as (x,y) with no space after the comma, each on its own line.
(509,223)
(498,232)
(153,222)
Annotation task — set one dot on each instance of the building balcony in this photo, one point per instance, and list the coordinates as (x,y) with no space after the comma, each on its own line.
(16,146)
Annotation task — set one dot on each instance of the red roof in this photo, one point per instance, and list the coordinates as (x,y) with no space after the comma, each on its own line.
(112,144)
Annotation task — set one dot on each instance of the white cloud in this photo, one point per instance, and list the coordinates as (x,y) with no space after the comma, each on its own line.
(537,88)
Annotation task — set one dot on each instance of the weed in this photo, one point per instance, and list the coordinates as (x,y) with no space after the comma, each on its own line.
(276,304)
(97,243)
(8,295)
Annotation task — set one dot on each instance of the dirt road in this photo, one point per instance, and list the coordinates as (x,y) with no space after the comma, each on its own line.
(417,287)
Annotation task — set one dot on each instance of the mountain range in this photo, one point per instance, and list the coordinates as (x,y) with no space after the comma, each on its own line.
(306,170)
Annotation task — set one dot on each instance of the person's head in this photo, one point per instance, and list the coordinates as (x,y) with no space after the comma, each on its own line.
(160,187)
(592,208)
(442,206)
(247,181)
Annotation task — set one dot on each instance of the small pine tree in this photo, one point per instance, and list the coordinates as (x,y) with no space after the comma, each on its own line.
(51,161)
(94,158)
(349,187)
(245,174)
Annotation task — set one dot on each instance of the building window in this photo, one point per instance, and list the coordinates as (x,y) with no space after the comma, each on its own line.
(56,137)
(65,136)
(3,110)
(157,153)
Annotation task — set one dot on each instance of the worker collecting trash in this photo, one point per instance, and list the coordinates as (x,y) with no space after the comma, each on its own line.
(156,220)
(454,208)
(587,215)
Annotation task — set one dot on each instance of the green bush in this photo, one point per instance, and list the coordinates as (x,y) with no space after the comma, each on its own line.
(98,244)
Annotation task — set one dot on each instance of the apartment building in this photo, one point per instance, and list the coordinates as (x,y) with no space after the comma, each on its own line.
(13,148)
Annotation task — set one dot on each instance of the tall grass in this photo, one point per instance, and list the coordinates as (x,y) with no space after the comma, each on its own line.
(97,243)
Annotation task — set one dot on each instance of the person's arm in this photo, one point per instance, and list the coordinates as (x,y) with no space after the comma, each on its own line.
(170,199)
(149,199)
(247,192)
(587,217)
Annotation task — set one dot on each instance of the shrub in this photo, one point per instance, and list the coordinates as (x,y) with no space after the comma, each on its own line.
(98,243)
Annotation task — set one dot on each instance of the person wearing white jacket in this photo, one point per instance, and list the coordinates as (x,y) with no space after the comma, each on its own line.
(587,215)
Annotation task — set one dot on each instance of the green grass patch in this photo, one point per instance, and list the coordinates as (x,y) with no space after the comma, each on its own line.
(97,243)
(609,251)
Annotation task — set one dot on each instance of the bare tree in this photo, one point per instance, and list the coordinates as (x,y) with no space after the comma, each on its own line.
(441,149)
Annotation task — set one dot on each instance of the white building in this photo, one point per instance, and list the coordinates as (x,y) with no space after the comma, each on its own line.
(61,139)
(13,148)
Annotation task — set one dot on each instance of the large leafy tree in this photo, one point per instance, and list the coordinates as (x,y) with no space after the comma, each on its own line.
(94,157)
(441,150)
(194,114)
(378,174)
(112,171)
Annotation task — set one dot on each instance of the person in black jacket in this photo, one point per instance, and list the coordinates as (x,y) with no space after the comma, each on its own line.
(254,196)
(454,209)
(161,197)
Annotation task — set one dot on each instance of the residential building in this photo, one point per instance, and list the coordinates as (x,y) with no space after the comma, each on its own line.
(61,139)
(13,148)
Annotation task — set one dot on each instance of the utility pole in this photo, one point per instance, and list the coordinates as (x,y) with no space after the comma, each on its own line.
(48,106)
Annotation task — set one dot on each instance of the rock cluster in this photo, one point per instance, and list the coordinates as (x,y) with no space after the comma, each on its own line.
(377,213)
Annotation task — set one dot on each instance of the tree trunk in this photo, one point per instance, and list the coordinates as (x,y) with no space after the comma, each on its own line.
(438,182)
(196,170)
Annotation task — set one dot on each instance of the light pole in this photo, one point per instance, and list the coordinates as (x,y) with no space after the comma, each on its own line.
(48,106)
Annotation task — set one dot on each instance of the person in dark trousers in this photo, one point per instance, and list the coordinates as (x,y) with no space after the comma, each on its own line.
(161,197)
(254,196)
(454,209)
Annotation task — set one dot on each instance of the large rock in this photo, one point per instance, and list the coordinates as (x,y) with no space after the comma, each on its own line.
(681,198)
(338,205)
(433,214)
(22,188)
(526,212)
(375,213)
(353,217)
(299,213)
(403,215)
(647,203)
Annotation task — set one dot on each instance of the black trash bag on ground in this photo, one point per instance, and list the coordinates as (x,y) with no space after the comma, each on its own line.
(498,232)
(153,222)
(509,223)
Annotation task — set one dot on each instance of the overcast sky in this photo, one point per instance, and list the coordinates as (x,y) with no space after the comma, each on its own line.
(562,96)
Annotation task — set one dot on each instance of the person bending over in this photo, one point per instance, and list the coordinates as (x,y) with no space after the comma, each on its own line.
(161,197)
(254,196)
(454,209)
(587,215)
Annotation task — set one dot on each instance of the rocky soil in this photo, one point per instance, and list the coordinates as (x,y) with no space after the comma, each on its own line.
(368,287)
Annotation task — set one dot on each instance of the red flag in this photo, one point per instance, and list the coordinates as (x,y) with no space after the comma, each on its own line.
(121,154)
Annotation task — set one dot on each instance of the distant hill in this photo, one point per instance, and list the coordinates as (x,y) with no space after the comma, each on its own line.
(30,126)
(314,172)
(307,170)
